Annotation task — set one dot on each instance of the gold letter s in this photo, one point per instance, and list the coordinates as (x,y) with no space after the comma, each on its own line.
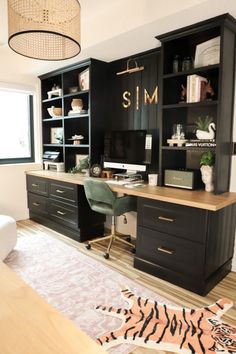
(128,101)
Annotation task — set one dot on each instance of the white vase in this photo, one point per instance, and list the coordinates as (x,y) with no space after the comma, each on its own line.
(208,177)
(77,104)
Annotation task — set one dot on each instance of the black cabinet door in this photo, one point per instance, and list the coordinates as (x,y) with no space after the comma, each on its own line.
(178,220)
(37,185)
(170,252)
(66,192)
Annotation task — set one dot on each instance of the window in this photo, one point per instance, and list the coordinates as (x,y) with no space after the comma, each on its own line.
(16,127)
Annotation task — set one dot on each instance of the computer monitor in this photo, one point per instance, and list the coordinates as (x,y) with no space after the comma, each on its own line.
(128,150)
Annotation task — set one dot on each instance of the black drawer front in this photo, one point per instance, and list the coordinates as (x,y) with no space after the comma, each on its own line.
(62,213)
(171,252)
(179,220)
(65,192)
(37,185)
(37,203)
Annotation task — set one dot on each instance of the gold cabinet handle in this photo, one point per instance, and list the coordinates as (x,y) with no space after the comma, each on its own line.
(60,212)
(165,219)
(60,191)
(34,185)
(36,204)
(165,250)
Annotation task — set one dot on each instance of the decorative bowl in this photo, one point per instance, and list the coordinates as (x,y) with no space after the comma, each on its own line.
(55,111)
(73,89)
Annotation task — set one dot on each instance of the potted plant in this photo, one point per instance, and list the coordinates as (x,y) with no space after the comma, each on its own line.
(207,162)
(82,166)
(205,128)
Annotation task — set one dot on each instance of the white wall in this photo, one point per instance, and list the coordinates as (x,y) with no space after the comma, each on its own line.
(13,197)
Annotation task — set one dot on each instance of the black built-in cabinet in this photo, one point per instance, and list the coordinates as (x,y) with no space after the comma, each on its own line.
(187,246)
(63,207)
(191,247)
(183,42)
(90,123)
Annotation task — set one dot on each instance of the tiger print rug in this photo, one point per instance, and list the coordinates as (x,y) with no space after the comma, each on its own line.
(154,325)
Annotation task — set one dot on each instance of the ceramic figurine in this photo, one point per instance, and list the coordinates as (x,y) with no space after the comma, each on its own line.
(210,134)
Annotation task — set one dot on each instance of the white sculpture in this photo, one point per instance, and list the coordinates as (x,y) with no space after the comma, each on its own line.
(207,177)
(201,134)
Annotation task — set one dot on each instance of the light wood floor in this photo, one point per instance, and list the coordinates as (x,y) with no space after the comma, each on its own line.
(121,259)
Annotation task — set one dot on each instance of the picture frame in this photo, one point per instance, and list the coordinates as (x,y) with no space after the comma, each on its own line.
(57,135)
(207,53)
(84,80)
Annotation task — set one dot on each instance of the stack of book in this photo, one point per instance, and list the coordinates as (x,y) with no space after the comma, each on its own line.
(74,112)
(196,91)
(201,143)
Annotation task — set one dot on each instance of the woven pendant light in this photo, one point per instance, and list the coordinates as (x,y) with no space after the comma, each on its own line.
(44,29)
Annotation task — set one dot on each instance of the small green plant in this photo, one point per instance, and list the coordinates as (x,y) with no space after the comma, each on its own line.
(203,123)
(207,159)
(82,165)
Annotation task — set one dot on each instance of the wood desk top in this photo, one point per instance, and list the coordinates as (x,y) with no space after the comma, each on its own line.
(29,325)
(197,198)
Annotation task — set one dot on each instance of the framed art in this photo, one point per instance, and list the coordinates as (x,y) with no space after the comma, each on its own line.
(57,135)
(84,80)
(207,53)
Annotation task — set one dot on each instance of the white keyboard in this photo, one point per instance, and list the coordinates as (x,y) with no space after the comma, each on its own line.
(124,182)
(120,183)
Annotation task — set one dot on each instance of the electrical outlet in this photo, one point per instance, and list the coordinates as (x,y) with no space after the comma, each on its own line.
(234,148)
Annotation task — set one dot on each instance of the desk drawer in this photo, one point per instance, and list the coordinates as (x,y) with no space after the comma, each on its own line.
(66,192)
(171,252)
(178,220)
(37,203)
(37,185)
(62,213)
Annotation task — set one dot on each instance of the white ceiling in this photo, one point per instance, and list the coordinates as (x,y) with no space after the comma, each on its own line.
(113,29)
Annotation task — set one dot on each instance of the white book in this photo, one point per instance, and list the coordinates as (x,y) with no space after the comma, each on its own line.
(188,89)
(194,88)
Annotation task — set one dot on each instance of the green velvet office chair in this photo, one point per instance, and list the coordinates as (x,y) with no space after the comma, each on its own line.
(102,200)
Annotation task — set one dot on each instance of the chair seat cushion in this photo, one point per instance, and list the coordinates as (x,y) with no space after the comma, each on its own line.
(8,235)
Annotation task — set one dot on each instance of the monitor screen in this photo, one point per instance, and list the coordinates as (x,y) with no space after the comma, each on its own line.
(127,149)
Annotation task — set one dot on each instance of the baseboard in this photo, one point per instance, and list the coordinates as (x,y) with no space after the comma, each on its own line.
(234,265)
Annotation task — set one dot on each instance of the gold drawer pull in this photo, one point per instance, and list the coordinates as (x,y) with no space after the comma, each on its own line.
(60,191)
(165,250)
(34,185)
(36,204)
(60,212)
(165,219)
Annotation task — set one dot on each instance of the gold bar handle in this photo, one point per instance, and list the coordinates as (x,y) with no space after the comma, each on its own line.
(60,191)
(165,219)
(34,185)
(36,204)
(165,250)
(60,212)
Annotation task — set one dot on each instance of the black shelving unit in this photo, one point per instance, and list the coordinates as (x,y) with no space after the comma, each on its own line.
(172,111)
(90,124)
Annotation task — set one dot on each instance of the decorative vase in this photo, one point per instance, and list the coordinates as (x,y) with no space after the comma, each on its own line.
(208,177)
(77,104)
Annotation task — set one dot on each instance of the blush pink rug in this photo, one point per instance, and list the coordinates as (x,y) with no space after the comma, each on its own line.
(74,283)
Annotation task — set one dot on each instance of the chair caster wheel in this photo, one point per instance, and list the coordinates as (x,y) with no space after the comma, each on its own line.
(106,255)
(88,246)
(133,250)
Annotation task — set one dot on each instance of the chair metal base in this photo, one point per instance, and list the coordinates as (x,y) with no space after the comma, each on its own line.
(114,236)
